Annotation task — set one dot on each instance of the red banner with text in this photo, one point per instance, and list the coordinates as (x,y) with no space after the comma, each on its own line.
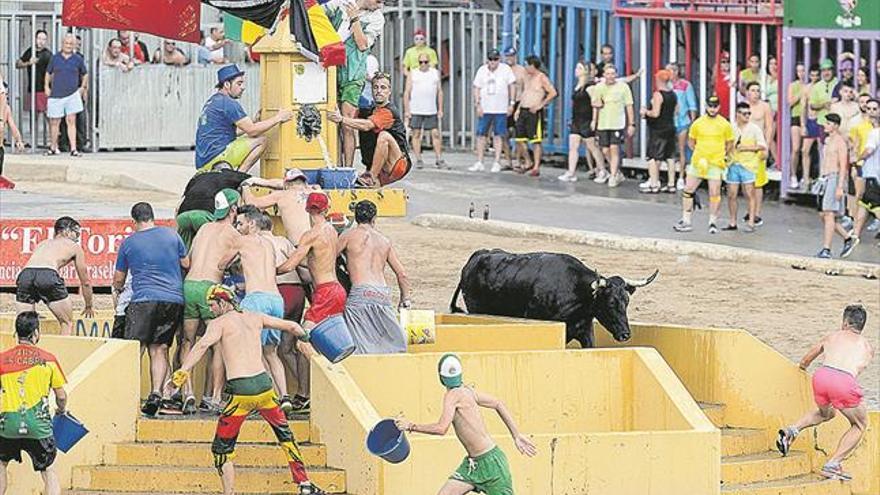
(100,240)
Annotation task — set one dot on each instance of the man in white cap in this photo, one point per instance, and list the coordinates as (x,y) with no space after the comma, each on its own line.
(485,468)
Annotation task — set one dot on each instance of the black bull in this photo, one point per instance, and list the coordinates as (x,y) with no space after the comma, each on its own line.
(547,286)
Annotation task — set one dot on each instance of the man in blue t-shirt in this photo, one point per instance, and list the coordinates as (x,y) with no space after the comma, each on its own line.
(222,116)
(67,84)
(153,256)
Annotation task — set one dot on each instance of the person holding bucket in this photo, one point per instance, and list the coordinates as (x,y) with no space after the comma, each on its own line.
(249,386)
(27,374)
(485,468)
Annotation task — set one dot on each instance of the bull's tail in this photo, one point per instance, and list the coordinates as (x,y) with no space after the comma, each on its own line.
(453,307)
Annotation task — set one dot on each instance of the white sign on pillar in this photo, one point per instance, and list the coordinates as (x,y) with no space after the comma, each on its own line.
(309,83)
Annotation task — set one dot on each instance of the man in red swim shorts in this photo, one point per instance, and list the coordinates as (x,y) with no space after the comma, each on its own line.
(847,354)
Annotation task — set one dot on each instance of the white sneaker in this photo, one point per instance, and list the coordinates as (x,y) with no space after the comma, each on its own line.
(616,180)
(646,185)
(601,177)
(567,178)
(477,167)
(679,184)
(496,167)
(793,184)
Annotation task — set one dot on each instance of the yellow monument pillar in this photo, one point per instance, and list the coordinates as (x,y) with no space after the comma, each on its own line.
(289,80)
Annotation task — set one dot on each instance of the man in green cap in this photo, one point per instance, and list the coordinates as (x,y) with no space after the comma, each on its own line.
(820,97)
(485,468)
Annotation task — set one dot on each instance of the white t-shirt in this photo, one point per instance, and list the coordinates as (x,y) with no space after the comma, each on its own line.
(871,167)
(372,69)
(494,88)
(215,48)
(423,98)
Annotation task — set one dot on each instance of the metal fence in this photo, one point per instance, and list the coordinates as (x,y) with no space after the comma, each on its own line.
(461,36)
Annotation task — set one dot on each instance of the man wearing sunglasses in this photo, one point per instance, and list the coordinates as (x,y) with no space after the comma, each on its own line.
(750,148)
(423,108)
(40,279)
(711,138)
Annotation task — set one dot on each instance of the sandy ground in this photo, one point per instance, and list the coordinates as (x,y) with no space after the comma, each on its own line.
(788,309)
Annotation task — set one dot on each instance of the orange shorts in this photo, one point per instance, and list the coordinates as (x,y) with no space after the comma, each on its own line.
(398,171)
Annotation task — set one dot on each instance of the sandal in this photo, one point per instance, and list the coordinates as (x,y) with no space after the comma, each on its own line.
(366,180)
(51,152)
(75,153)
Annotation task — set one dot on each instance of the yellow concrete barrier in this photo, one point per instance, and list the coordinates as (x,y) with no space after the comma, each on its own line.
(585,410)
(99,326)
(102,387)
(759,387)
(478,333)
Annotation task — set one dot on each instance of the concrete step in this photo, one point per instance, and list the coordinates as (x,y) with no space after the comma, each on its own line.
(152,479)
(808,484)
(742,441)
(202,430)
(766,466)
(199,455)
(715,413)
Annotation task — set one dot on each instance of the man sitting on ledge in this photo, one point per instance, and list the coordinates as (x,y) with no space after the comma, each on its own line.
(382,137)
(222,116)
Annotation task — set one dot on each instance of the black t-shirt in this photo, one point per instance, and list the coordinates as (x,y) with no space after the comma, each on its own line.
(43,58)
(387,119)
(582,111)
(666,120)
(201,189)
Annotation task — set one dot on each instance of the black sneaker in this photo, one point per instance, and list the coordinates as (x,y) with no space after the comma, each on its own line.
(848,246)
(783,443)
(151,406)
(713,229)
(729,228)
(758,220)
(825,253)
(301,405)
(310,489)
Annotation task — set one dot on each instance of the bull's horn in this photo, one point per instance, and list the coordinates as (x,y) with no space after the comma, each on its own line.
(642,282)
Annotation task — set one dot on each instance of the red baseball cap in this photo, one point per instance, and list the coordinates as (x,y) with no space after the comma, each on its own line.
(419,32)
(317,202)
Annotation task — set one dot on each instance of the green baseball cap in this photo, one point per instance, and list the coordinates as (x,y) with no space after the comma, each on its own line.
(224,201)
(826,63)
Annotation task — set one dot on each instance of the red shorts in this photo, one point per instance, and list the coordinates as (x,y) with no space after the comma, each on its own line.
(836,387)
(327,300)
(41,99)
(398,171)
(294,301)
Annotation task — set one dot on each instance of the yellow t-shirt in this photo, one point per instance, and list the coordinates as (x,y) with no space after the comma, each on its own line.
(858,133)
(27,373)
(615,98)
(711,135)
(411,56)
(750,135)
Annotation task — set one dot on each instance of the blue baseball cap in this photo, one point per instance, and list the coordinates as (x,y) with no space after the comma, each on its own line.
(509,51)
(227,73)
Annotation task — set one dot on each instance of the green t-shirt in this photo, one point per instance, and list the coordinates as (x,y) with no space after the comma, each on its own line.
(797,88)
(411,56)
(820,93)
(615,98)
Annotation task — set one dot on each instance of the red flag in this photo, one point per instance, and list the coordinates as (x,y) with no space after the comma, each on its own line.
(173,19)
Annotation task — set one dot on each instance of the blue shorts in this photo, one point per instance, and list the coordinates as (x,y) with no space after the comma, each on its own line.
(737,174)
(682,128)
(495,121)
(268,304)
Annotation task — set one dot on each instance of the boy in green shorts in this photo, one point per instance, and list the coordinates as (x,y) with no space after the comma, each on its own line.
(485,467)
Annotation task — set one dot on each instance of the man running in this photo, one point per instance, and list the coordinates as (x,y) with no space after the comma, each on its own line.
(211,242)
(318,247)
(40,281)
(834,170)
(368,312)
(239,334)
(382,135)
(711,138)
(257,256)
(537,93)
(835,387)
(485,467)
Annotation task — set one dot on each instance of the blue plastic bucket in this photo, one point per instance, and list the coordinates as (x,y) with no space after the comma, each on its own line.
(68,431)
(387,442)
(312,175)
(332,339)
(337,178)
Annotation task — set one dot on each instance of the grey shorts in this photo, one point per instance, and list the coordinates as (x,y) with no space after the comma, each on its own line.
(830,203)
(426,122)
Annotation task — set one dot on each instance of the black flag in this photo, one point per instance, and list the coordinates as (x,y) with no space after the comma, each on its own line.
(261,12)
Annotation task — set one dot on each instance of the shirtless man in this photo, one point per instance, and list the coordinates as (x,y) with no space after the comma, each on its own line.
(257,255)
(368,312)
(835,386)
(537,93)
(318,247)
(40,281)
(290,203)
(762,116)
(485,468)
(239,334)
(519,72)
(834,169)
(211,242)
